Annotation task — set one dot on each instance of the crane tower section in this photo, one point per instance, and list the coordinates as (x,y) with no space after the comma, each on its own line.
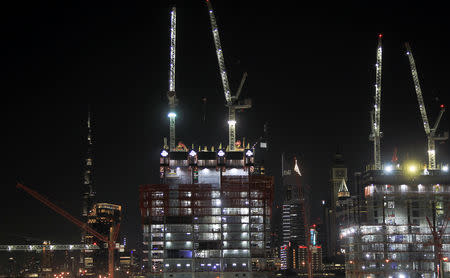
(231,101)
(223,72)
(376,117)
(415,76)
(430,132)
(171,95)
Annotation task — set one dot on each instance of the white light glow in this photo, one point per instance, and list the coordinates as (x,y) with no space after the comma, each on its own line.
(412,168)
(171,115)
(192,153)
(221,153)
(231,122)
(249,153)
(388,168)
(164,153)
(445,168)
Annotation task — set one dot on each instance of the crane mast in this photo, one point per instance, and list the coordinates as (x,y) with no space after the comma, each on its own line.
(430,132)
(376,114)
(230,100)
(171,95)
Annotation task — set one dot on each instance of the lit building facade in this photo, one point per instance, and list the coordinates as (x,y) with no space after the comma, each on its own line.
(293,227)
(102,218)
(396,239)
(210,216)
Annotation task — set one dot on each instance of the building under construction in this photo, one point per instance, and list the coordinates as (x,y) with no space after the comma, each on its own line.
(405,230)
(211,213)
(405,233)
(210,216)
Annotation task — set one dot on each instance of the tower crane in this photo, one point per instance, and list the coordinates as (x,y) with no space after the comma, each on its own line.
(430,132)
(231,101)
(171,95)
(113,233)
(376,112)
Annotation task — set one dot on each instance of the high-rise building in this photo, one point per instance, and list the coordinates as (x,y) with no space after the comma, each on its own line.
(293,227)
(405,233)
(102,218)
(338,173)
(292,222)
(88,186)
(210,215)
(88,194)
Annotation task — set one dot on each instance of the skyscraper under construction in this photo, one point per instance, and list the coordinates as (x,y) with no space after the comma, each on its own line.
(406,231)
(209,217)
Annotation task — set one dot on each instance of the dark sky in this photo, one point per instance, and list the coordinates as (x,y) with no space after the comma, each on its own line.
(310,71)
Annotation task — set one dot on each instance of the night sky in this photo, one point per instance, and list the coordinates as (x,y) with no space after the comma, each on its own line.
(310,71)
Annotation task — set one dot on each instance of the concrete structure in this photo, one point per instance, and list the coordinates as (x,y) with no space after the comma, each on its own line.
(210,215)
(404,205)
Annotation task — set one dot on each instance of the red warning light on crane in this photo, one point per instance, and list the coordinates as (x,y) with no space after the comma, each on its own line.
(442,105)
(380,35)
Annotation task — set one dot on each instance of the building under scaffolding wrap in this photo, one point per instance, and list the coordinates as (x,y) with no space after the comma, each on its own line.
(209,217)
(395,239)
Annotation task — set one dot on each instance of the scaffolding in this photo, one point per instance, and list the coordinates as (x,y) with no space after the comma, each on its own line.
(207,227)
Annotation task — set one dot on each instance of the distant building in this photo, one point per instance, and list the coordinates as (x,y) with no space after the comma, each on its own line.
(295,257)
(338,173)
(292,222)
(102,218)
(293,229)
(88,196)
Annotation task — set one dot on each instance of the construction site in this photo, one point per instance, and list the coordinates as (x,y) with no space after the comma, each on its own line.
(210,215)
(211,212)
(403,231)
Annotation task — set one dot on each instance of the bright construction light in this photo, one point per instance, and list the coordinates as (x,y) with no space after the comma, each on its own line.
(192,153)
(401,275)
(172,115)
(231,122)
(220,153)
(249,153)
(164,153)
(412,168)
(445,168)
(388,168)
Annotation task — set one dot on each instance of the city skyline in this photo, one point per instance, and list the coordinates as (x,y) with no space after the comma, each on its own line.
(310,76)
